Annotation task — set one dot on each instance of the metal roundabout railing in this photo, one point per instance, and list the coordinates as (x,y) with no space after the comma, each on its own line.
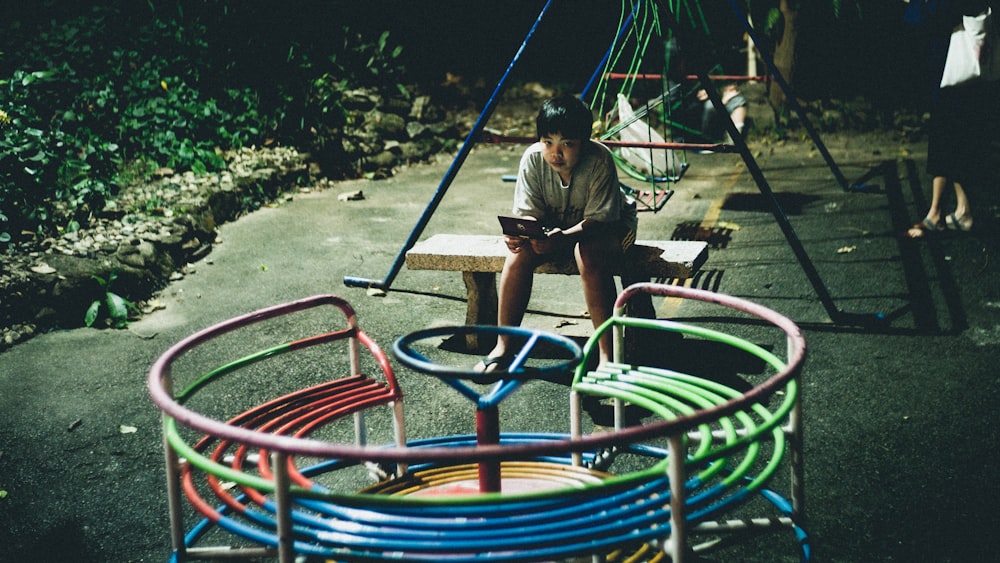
(284,477)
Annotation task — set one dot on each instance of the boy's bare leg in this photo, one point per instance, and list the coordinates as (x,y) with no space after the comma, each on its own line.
(516,281)
(595,260)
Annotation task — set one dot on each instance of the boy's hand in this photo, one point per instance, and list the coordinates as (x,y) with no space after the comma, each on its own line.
(556,240)
(515,244)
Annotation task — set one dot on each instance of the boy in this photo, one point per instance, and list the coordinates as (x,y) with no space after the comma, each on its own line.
(570,184)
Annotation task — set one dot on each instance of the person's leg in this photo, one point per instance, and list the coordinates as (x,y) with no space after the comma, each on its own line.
(739,117)
(710,124)
(933,221)
(596,260)
(938,186)
(961,218)
(512,301)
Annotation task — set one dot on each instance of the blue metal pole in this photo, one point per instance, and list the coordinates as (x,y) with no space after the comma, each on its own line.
(604,61)
(449,176)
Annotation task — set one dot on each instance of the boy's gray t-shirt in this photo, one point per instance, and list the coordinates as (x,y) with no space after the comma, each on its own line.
(594,192)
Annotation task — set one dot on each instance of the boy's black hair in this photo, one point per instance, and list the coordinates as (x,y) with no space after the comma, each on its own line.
(565,114)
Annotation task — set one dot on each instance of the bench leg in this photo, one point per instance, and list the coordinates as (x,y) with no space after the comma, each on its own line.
(637,341)
(481,307)
(641,304)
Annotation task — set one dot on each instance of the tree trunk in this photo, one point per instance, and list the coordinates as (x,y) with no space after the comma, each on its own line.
(784,52)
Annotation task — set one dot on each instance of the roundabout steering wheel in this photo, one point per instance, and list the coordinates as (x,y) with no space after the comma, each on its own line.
(518,370)
(504,381)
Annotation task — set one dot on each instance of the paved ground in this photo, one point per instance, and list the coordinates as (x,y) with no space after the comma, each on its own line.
(901,419)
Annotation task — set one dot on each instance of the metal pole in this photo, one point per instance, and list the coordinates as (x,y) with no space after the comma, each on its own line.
(794,104)
(442,189)
(697,49)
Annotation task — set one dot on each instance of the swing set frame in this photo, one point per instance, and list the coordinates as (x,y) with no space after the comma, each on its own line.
(696,43)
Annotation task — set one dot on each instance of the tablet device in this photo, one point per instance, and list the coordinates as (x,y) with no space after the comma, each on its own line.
(521,227)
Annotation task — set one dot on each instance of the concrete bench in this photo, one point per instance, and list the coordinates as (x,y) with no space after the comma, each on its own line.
(480,257)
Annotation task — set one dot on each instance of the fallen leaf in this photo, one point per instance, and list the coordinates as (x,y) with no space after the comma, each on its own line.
(153,305)
(351,196)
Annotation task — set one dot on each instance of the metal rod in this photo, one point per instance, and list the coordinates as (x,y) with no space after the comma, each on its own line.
(488,434)
(442,189)
(604,61)
(792,102)
(698,48)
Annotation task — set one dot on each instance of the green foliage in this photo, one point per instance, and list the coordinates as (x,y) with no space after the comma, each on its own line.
(90,99)
(49,161)
(767,15)
(114,307)
(311,103)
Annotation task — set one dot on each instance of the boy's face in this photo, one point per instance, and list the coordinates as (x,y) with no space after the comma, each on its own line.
(561,153)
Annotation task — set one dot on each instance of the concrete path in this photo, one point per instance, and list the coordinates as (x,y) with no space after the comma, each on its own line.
(901,419)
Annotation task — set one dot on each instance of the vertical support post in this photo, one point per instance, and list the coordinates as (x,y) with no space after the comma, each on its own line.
(481,307)
(676,547)
(174,498)
(173,473)
(399,432)
(283,512)
(360,429)
(488,433)
(796,437)
(575,424)
(354,356)
(798,463)
(618,340)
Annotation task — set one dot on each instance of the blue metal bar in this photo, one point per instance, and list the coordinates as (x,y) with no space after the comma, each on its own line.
(604,61)
(442,189)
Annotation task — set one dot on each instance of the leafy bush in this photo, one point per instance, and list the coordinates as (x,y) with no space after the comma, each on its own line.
(112,307)
(46,164)
(175,87)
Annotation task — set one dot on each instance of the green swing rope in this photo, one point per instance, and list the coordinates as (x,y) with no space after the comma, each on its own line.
(644,28)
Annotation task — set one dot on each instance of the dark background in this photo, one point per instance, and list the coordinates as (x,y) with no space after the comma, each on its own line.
(871,54)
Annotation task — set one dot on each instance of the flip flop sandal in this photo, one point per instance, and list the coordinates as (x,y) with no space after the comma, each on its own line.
(496,363)
(924,228)
(956,224)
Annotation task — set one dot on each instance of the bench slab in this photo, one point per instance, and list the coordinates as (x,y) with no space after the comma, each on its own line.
(480,257)
(486,253)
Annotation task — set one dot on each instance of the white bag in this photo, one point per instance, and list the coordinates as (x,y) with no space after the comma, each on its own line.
(974,51)
(652,162)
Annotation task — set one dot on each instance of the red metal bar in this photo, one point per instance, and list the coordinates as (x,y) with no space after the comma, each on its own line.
(488,434)
(654,76)
(489,137)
